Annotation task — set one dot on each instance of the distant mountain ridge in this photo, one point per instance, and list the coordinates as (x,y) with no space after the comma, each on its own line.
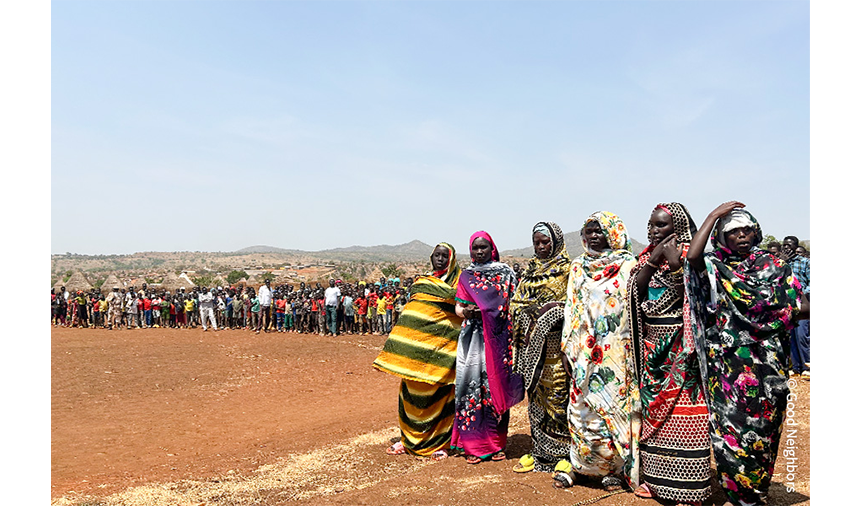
(413,250)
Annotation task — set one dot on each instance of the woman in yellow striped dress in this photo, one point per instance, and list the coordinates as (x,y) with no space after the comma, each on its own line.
(422,350)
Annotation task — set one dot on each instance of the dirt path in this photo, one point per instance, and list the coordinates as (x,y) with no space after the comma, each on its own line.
(181,417)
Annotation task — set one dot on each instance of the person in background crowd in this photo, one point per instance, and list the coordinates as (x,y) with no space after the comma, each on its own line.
(207,308)
(799,341)
(265,298)
(280,311)
(348,312)
(331,300)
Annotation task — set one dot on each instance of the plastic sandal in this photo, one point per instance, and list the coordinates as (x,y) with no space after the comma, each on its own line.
(643,491)
(473,459)
(562,476)
(439,455)
(525,465)
(396,449)
(498,456)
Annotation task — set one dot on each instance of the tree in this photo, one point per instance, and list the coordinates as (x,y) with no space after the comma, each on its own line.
(391,270)
(236,276)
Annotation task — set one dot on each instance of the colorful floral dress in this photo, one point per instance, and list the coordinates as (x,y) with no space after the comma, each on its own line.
(742,311)
(486,386)
(603,411)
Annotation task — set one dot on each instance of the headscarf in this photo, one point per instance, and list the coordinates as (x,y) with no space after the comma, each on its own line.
(613,229)
(737,218)
(450,274)
(544,280)
(682,222)
(483,235)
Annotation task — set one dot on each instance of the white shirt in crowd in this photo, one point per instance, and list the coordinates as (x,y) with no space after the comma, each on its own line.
(331,295)
(265,296)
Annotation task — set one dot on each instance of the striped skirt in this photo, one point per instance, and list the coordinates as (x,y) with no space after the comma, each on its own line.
(426,416)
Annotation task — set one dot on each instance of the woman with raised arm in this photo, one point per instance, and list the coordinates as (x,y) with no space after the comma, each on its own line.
(422,351)
(537,312)
(674,445)
(486,385)
(603,411)
(744,301)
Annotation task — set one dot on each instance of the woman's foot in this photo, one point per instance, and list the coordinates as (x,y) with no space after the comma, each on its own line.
(563,475)
(439,455)
(498,456)
(473,459)
(643,491)
(396,449)
(612,483)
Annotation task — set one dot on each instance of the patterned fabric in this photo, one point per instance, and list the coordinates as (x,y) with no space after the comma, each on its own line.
(426,415)
(539,361)
(741,308)
(486,385)
(674,446)
(603,412)
(422,350)
(800,269)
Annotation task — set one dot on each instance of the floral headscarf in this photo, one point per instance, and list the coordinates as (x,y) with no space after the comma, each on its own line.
(613,229)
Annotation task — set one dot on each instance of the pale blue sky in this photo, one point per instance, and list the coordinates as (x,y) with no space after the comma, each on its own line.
(315,125)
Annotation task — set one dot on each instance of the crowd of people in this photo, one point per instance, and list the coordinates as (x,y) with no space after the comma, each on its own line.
(353,308)
(636,370)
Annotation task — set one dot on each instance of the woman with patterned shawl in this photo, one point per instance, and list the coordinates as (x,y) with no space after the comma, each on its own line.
(603,410)
(674,445)
(537,312)
(486,385)
(422,350)
(744,301)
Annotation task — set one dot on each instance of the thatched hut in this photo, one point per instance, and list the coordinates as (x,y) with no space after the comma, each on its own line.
(110,282)
(78,282)
(172,282)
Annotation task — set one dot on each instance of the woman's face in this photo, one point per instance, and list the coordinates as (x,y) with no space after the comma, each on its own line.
(594,237)
(659,226)
(439,258)
(482,252)
(542,245)
(740,240)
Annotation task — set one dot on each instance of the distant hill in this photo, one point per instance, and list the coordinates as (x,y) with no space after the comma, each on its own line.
(410,251)
(574,247)
(267,249)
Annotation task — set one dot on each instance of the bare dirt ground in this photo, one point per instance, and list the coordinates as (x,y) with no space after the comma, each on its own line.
(181,417)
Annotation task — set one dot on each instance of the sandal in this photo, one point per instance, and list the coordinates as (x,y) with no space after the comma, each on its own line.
(396,449)
(439,455)
(525,465)
(498,456)
(562,476)
(612,483)
(643,491)
(473,459)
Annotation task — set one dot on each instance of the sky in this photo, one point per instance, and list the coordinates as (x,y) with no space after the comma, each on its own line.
(213,126)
